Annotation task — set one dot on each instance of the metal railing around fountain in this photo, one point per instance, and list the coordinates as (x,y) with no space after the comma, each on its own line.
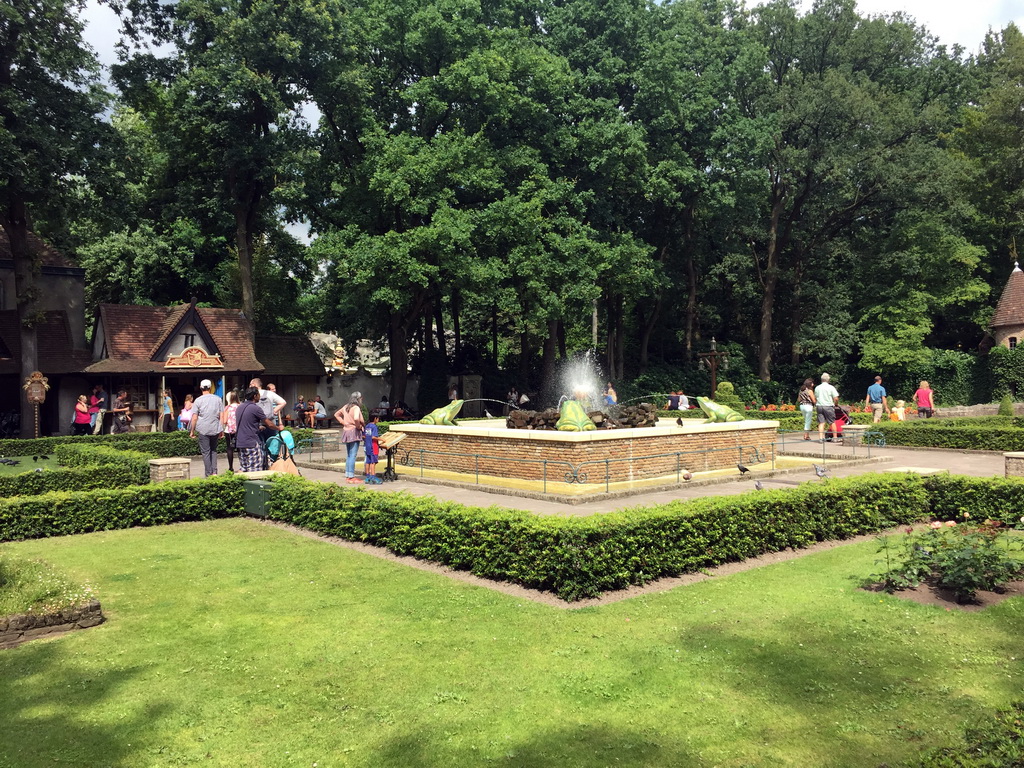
(853,444)
(685,462)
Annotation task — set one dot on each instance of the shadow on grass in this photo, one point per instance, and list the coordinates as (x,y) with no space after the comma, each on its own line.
(566,747)
(41,689)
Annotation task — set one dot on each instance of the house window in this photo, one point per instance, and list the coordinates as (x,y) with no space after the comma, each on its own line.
(137,388)
(1013,342)
(190,340)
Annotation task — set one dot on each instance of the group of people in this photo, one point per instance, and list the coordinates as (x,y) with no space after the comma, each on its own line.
(90,410)
(823,400)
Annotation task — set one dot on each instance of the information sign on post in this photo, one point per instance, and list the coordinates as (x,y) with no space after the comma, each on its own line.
(35,388)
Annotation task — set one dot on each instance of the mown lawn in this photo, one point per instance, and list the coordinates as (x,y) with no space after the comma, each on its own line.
(28,464)
(231,643)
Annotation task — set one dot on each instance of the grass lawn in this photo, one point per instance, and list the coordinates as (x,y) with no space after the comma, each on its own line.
(231,643)
(27,464)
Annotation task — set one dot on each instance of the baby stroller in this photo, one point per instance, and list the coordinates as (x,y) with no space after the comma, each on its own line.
(280,448)
(842,419)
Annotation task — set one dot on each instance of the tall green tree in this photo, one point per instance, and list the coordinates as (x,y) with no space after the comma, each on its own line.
(50,107)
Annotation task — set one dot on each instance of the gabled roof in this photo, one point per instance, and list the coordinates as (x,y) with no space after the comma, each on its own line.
(53,334)
(289,355)
(50,257)
(1010,310)
(133,335)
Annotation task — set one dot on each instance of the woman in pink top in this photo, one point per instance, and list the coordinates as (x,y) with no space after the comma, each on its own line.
(924,399)
(227,418)
(350,416)
(82,423)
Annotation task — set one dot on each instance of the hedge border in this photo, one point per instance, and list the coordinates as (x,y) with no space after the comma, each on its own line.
(64,513)
(575,557)
(582,557)
(85,467)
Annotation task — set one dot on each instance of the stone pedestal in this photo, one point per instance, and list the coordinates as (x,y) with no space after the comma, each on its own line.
(853,434)
(1014,464)
(177,468)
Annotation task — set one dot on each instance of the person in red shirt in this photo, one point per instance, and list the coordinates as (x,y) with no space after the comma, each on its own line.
(924,398)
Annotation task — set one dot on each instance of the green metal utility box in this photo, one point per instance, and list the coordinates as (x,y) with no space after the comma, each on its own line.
(257,494)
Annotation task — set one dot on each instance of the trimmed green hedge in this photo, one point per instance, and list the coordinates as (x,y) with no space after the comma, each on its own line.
(63,513)
(575,557)
(584,556)
(86,467)
(161,445)
(971,437)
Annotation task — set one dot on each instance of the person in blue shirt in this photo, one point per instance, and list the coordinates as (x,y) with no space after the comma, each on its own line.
(371,449)
(876,400)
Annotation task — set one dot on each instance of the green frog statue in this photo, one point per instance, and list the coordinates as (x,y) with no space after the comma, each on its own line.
(717,413)
(574,418)
(444,417)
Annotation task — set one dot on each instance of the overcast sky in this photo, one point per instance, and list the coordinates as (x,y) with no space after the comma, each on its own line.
(953,21)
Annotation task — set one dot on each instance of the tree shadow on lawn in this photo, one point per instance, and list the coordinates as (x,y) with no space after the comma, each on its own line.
(840,693)
(42,687)
(565,747)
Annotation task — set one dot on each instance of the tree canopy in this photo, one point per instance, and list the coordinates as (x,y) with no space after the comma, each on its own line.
(484,178)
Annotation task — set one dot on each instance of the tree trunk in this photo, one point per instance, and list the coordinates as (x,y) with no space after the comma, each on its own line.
(399,351)
(15,224)
(547,366)
(442,342)
(563,352)
(647,325)
(398,346)
(456,323)
(769,282)
(494,333)
(247,194)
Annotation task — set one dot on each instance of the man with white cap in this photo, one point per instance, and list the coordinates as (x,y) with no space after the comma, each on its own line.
(206,421)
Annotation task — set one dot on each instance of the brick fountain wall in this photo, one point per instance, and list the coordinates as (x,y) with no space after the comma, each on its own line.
(628,452)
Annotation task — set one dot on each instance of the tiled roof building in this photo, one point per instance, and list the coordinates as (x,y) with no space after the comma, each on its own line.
(1008,320)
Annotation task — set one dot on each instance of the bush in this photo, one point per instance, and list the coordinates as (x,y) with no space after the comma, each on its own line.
(1006,406)
(996,741)
(584,556)
(64,513)
(959,555)
(962,436)
(86,467)
(726,395)
(162,445)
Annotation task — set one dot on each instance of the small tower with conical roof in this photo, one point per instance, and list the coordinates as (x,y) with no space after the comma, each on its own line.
(1008,321)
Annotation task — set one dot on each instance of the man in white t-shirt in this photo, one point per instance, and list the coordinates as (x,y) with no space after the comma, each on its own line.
(271,402)
(826,397)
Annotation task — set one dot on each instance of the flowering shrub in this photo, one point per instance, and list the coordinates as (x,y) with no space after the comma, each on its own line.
(964,557)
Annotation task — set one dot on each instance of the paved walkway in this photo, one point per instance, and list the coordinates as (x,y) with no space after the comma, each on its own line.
(972,463)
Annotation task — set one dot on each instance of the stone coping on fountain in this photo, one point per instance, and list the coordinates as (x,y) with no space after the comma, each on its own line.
(497,428)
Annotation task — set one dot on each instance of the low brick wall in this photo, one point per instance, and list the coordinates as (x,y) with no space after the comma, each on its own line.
(629,454)
(22,627)
(1014,464)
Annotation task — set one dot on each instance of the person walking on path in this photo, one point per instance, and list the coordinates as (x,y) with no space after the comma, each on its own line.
(826,396)
(807,404)
(227,419)
(350,416)
(877,400)
(924,398)
(97,407)
(250,417)
(122,411)
(206,421)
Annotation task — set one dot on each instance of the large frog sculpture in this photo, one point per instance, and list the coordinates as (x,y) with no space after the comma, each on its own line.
(717,413)
(444,417)
(573,418)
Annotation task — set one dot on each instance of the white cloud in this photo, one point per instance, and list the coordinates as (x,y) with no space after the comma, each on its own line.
(952,21)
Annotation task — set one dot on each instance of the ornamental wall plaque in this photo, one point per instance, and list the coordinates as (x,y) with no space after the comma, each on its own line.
(35,388)
(194,357)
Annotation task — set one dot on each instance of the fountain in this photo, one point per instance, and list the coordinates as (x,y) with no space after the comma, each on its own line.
(486,447)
